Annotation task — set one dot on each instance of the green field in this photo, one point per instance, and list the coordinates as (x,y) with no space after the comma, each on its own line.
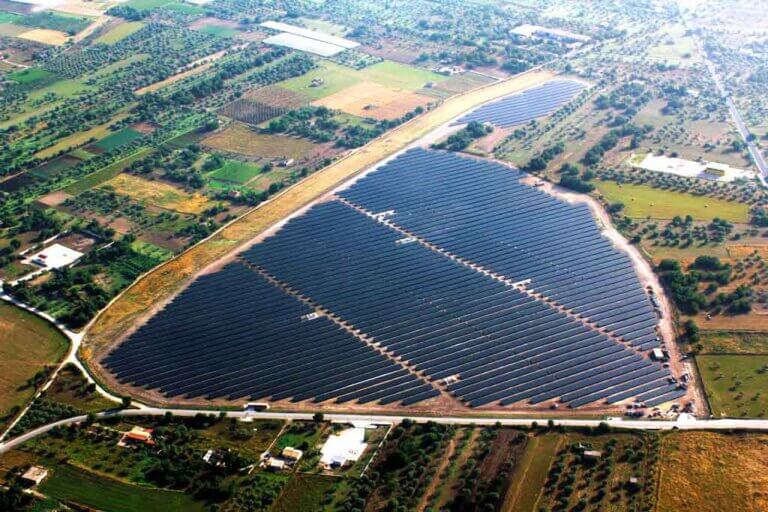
(27,344)
(50,20)
(151,250)
(31,75)
(9,17)
(736,385)
(399,76)
(236,172)
(70,484)
(184,8)
(120,32)
(117,139)
(643,201)
(103,175)
(218,30)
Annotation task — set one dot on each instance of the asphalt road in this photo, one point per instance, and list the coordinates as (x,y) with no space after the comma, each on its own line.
(684,422)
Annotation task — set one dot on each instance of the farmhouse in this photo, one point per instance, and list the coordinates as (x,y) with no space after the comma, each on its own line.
(34,475)
(553,34)
(276,464)
(593,454)
(56,256)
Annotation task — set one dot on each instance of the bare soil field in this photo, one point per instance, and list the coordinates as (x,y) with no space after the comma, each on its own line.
(367,99)
(45,36)
(712,472)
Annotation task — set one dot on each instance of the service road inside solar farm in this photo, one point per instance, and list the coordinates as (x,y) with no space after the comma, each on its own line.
(434,281)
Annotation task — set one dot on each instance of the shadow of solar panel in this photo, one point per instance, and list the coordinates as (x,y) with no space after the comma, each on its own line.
(233,334)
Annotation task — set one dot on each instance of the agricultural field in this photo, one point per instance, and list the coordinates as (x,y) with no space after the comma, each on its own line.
(28,346)
(724,342)
(735,384)
(643,201)
(711,472)
(120,32)
(236,172)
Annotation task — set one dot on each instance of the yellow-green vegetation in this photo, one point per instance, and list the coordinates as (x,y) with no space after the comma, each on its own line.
(120,32)
(27,345)
(675,48)
(251,439)
(729,342)
(530,473)
(736,385)
(333,78)
(156,193)
(80,138)
(105,174)
(642,201)
(712,472)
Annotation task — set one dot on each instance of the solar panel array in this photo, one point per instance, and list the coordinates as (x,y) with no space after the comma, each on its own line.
(451,267)
(527,105)
(480,211)
(234,334)
(445,318)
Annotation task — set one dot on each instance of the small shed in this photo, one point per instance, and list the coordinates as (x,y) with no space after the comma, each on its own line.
(292,454)
(34,475)
(593,454)
(276,464)
(658,355)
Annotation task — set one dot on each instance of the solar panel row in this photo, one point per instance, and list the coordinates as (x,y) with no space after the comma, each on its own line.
(443,317)
(527,105)
(234,334)
(480,211)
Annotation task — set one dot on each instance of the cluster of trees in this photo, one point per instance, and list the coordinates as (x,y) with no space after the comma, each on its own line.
(539,162)
(461,140)
(684,287)
(570,179)
(400,475)
(595,154)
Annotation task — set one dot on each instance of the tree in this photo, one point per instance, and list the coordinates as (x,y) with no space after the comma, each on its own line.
(318,417)
(126,402)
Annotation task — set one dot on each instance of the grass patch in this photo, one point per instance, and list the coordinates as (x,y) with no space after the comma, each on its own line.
(120,32)
(184,8)
(70,484)
(737,385)
(151,250)
(218,30)
(711,472)
(71,388)
(530,473)
(300,434)
(236,172)
(643,201)
(49,20)
(143,5)
(27,345)
(32,75)
(729,342)
(117,139)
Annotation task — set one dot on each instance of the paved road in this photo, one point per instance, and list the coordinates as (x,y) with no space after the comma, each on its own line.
(684,422)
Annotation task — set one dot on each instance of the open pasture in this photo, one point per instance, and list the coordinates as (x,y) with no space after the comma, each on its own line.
(117,139)
(735,384)
(643,201)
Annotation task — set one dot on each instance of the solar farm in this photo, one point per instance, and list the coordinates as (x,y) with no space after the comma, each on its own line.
(433,276)
(528,105)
